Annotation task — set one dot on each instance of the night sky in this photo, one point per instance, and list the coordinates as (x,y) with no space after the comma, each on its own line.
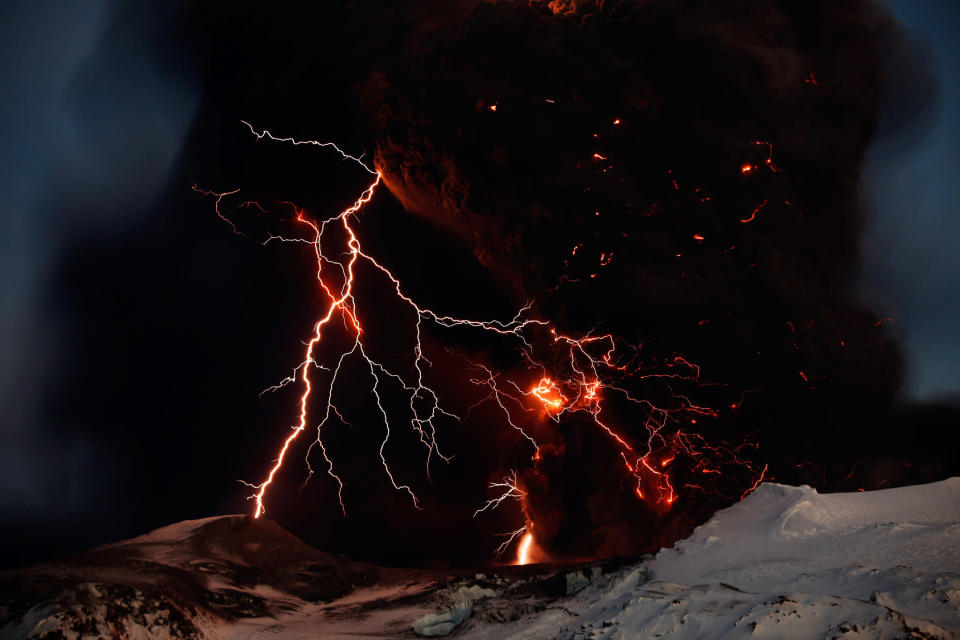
(137,332)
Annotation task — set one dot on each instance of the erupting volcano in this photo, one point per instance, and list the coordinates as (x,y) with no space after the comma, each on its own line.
(679,269)
(503,318)
(581,372)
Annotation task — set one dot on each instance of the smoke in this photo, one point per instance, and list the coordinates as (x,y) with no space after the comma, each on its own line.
(684,174)
(681,173)
(912,198)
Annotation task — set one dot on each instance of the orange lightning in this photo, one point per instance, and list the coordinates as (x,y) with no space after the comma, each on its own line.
(587,369)
(335,304)
(423,401)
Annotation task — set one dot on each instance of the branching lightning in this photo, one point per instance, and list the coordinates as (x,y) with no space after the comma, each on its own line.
(584,372)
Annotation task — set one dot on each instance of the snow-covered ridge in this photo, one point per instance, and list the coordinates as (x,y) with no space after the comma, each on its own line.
(785,562)
(780,530)
(176,532)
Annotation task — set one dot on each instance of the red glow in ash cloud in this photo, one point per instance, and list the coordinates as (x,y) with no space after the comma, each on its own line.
(587,370)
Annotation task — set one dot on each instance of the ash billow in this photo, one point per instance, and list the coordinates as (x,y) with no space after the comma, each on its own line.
(683,175)
(680,175)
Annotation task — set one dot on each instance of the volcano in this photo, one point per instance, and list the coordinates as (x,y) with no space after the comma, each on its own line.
(783,562)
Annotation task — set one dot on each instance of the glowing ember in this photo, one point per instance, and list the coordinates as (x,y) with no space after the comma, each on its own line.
(549,395)
(753,215)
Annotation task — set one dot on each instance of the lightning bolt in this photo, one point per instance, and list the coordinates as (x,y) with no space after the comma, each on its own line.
(590,368)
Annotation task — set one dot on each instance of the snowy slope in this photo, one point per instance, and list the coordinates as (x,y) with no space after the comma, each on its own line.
(786,562)
(188,580)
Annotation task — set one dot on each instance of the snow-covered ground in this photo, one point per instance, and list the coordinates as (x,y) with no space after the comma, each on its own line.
(786,562)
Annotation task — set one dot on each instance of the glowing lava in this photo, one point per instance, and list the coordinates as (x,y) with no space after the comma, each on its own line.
(523,549)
